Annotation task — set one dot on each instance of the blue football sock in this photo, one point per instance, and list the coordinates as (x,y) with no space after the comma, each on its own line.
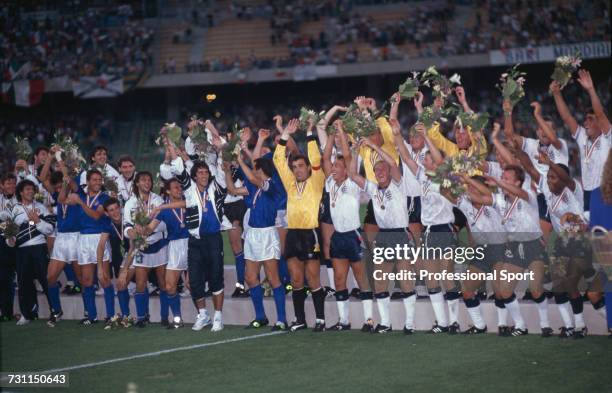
(608,298)
(69,272)
(109,301)
(54,298)
(146,292)
(257,298)
(283,271)
(89,296)
(124,302)
(163,305)
(279,301)
(240,268)
(175,304)
(140,298)
(84,303)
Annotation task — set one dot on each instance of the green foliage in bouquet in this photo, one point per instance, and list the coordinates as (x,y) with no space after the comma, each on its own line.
(306,115)
(23,150)
(359,123)
(69,153)
(446,174)
(511,85)
(8,228)
(231,149)
(565,66)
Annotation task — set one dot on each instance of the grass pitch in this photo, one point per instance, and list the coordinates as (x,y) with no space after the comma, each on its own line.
(305,361)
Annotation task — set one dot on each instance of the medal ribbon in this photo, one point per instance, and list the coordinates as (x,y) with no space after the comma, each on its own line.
(93,201)
(511,209)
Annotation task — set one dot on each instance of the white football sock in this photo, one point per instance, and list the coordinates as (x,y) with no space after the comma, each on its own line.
(502,316)
(453,310)
(368,306)
(218,315)
(543,312)
(343,311)
(565,309)
(409,306)
(602,312)
(515,312)
(203,312)
(437,302)
(579,320)
(383,310)
(476,315)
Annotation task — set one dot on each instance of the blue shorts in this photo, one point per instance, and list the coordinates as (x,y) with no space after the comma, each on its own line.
(543,208)
(414,210)
(346,245)
(324,209)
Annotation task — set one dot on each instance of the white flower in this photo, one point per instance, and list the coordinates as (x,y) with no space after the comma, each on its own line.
(520,81)
(436,88)
(432,70)
(456,78)
(415,74)
(426,83)
(446,183)
(504,75)
(576,62)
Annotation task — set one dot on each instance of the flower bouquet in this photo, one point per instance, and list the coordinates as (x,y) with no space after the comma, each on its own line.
(440,84)
(198,135)
(231,149)
(173,133)
(447,173)
(72,157)
(23,150)
(140,217)
(359,123)
(410,87)
(8,228)
(565,66)
(308,114)
(511,85)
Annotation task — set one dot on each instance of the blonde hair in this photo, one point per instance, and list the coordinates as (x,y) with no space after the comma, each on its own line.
(606,181)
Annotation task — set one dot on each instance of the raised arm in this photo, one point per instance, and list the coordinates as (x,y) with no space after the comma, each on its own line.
(500,149)
(229,181)
(460,92)
(527,165)
(436,155)
(584,78)
(563,176)
(476,197)
(562,108)
(396,174)
(544,126)
(353,171)
(280,157)
(510,188)
(262,135)
(324,121)
(396,98)
(401,146)
(509,125)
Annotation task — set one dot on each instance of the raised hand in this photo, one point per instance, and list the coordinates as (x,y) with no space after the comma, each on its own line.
(537,108)
(584,78)
(278,122)
(292,127)
(460,93)
(507,107)
(496,130)
(371,104)
(361,102)
(420,128)
(246,134)
(418,101)
(543,158)
(554,87)
(263,134)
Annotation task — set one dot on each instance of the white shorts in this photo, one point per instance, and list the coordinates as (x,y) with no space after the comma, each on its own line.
(262,244)
(66,247)
(177,254)
(160,258)
(281,219)
(88,246)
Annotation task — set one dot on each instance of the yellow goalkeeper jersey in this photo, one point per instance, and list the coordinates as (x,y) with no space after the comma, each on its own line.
(303,198)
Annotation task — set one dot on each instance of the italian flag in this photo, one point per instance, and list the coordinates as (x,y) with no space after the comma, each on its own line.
(28,92)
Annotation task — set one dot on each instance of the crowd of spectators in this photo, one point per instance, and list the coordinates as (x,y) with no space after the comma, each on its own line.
(91,41)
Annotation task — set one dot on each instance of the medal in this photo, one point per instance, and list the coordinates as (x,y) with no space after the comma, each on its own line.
(179,218)
(204,201)
(335,193)
(382,207)
(381,198)
(93,201)
(510,210)
(300,187)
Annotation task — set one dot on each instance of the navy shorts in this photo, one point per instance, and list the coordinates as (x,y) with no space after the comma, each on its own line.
(586,195)
(441,236)
(493,253)
(521,254)
(324,209)
(346,245)
(543,208)
(414,210)
(235,211)
(390,238)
